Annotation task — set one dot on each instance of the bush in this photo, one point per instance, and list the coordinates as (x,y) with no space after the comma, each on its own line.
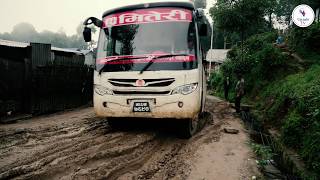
(257,42)
(305,38)
(258,61)
(292,130)
(311,151)
(301,127)
(306,41)
(268,59)
(216,81)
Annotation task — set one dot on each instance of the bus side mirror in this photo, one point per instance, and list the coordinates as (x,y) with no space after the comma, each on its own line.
(87,34)
(92,20)
(203,30)
(87,31)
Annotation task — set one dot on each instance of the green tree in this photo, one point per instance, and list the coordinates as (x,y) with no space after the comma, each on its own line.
(245,16)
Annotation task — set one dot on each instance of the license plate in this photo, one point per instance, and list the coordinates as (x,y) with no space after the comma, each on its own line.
(141,107)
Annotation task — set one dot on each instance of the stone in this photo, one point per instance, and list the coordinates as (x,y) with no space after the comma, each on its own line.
(231,130)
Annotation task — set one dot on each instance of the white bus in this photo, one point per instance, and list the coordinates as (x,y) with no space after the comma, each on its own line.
(150,63)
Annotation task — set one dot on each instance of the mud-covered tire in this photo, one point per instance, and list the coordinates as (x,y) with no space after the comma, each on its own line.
(189,127)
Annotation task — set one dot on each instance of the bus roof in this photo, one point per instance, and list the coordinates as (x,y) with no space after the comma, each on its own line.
(188,4)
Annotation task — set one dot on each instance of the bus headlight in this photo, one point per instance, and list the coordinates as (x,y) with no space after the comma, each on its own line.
(101,90)
(186,89)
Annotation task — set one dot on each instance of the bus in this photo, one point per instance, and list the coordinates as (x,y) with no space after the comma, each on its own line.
(150,63)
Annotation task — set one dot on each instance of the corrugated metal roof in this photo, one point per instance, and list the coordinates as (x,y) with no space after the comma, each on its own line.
(24,45)
(65,50)
(14,43)
(85,52)
(217,55)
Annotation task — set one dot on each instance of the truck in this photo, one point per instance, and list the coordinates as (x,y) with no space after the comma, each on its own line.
(150,63)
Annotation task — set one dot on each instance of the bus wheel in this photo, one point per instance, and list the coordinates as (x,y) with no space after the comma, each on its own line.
(189,127)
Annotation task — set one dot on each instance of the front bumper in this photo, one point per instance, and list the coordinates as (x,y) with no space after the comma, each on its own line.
(160,106)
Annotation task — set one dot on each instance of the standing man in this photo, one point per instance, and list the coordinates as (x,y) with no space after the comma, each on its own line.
(239,93)
(226,86)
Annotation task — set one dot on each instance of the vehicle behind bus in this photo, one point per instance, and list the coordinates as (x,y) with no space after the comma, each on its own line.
(150,63)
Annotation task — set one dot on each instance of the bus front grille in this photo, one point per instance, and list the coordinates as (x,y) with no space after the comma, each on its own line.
(141,92)
(148,82)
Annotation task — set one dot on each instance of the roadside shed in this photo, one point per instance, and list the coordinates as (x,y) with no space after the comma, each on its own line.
(37,78)
(216,57)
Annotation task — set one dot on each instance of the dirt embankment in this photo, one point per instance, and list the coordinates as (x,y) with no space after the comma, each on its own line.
(78,145)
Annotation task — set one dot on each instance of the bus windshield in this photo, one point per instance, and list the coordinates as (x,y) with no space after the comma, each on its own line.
(171,45)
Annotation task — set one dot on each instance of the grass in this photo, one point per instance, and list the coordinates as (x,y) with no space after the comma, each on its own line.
(296,109)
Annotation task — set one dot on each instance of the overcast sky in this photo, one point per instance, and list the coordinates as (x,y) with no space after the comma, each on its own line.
(55,15)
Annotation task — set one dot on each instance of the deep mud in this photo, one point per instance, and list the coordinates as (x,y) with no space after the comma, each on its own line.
(78,145)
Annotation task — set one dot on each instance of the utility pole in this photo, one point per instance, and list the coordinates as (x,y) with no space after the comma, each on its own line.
(211,49)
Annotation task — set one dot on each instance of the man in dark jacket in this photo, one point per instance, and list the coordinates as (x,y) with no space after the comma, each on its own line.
(226,86)
(239,93)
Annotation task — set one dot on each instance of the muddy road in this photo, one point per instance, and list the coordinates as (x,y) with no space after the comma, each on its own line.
(78,145)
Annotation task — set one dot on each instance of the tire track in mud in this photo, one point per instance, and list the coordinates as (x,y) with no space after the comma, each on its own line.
(86,148)
(128,159)
(88,159)
(165,165)
(170,160)
(39,158)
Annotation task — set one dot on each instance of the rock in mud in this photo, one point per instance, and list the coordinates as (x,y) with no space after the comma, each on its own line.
(231,131)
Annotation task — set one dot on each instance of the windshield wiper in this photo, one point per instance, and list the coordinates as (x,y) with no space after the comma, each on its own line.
(158,57)
(140,57)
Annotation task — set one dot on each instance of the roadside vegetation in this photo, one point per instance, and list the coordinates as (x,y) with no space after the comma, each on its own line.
(284,90)
(283,84)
